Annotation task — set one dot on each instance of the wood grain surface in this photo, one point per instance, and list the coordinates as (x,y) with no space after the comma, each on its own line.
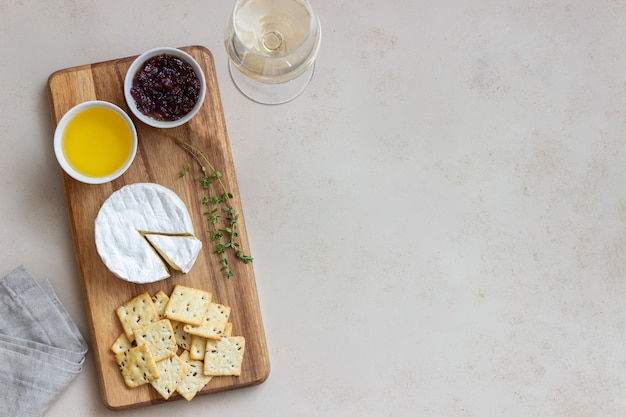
(159,160)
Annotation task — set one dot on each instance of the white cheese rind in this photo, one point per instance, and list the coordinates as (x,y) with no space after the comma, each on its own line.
(180,252)
(136,208)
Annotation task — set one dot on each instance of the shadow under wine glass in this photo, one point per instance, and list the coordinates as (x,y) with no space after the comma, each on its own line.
(272,46)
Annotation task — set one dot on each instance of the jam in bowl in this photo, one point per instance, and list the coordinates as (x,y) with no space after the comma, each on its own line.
(164,87)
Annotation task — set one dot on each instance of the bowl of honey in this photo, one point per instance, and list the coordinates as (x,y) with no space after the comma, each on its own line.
(95,142)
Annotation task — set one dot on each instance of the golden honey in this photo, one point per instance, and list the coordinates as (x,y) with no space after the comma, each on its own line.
(97,142)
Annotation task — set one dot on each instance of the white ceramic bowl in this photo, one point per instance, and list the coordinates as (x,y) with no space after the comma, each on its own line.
(59,135)
(136,66)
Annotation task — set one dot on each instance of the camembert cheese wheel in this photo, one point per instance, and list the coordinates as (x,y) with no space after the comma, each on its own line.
(141,230)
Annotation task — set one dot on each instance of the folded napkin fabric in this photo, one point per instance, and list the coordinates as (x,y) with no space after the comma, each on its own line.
(41,349)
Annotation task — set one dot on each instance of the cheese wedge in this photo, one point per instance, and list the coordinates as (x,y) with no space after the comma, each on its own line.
(180,252)
(127,216)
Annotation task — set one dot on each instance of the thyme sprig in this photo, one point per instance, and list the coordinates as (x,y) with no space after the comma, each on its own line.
(220,213)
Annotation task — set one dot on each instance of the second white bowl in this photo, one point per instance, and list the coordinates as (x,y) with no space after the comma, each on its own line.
(136,66)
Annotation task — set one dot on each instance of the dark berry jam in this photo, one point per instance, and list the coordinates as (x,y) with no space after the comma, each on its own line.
(165,88)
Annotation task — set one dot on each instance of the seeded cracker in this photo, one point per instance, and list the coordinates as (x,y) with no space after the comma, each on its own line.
(198,343)
(149,355)
(121,344)
(225,356)
(172,371)
(195,380)
(159,337)
(213,323)
(137,366)
(183,338)
(160,300)
(187,305)
(228,330)
(197,347)
(136,313)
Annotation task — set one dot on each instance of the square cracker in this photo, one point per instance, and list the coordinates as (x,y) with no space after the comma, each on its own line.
(228,330)
(172,371)
(198,343)
(121,344)
(213,323)
(159,337)
(195,380)
(225,356)
(138,366)
(183,338)
(160,300)
(136,313)
(197,347)
(187,304)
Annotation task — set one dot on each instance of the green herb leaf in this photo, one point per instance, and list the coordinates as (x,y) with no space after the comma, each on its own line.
(184,170)
(224,237)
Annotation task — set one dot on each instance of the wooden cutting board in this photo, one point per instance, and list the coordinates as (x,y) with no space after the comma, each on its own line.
(159,160)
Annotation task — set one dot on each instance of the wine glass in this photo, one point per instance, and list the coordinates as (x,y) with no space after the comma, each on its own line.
(272,46)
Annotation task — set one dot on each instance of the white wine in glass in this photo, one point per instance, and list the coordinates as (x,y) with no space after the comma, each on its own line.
(272,46)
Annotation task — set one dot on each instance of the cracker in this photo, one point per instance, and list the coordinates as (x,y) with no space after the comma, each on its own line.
(225,356)
(136,313)
(121,344)
(183,339)
(213,323)
(198,343)
(159,337)
(160,300)
(228,330)
(156,327)
(137,366)
(197,347)
(195,380)
(187,304)
(172,371)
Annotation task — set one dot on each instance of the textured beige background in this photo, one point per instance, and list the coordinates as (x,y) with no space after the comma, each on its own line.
(438,223)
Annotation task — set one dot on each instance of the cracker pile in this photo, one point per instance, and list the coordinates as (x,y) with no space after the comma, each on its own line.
(156,328)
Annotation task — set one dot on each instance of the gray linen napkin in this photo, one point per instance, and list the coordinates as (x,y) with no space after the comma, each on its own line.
(41,349)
